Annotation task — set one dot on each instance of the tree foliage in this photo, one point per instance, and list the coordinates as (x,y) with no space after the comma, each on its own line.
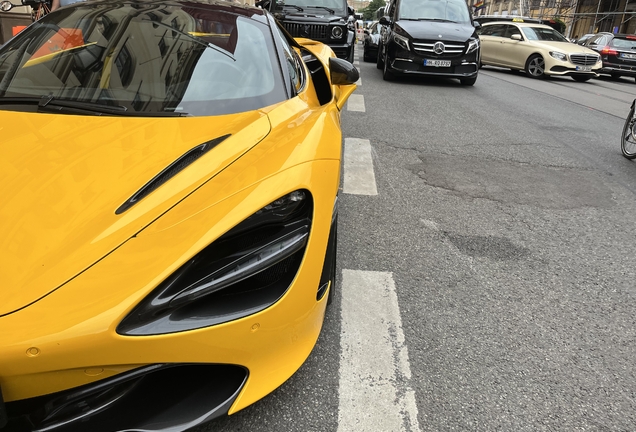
(368,14)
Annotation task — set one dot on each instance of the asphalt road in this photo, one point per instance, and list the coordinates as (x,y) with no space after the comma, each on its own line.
(505,215)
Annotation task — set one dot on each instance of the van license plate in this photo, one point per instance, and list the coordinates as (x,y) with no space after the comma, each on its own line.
(584,68)
(437,63)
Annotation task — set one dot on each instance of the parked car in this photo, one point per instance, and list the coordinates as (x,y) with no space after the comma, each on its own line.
(331,22)
(371,40)
(169,212)
(431,38)
(583,39)
(537,49)
(618,53)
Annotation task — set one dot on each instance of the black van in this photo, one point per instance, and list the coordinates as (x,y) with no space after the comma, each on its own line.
(328,21)
(429,37)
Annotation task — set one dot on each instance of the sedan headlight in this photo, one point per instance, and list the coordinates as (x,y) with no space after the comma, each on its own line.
(559,56)
(336,32)
(473,45)
(401,41)
(243,272)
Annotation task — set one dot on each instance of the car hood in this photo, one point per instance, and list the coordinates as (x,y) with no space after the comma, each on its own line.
(564,47)
(453,32)
(310,18)
(64,176)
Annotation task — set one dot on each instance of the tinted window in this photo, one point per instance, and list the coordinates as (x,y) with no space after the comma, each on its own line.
(338,6)
(494,30)
(185,60)
(445,10)
(623,43)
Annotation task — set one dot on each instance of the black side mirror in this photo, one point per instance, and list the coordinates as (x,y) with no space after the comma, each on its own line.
(366,31)
(385,20)
(342,72)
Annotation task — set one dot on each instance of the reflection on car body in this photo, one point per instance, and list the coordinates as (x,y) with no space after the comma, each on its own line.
(537,49)
(169,214)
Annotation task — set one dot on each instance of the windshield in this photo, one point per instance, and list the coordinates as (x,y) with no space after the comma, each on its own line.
(443,10)
(629,44)
(543,34)
(323,6)
(145,58)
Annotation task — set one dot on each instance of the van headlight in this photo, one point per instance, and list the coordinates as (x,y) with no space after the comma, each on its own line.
(473,45)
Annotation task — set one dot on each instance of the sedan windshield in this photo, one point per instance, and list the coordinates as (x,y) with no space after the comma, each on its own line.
(435,10)
(543,34)
(143,59)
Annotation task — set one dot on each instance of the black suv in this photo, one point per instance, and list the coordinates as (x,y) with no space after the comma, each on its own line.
(618,53)
(429,37)
(328,21)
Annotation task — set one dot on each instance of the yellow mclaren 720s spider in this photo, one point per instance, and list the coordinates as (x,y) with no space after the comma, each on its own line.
(169,180)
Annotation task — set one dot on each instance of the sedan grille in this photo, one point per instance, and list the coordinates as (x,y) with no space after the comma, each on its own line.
(584,59)
(451,49)
(310,31)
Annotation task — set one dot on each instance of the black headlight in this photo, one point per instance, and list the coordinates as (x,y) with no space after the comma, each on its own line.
(337,32)
(243,272)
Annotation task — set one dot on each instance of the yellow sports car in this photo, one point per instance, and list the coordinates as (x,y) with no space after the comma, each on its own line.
(170,173)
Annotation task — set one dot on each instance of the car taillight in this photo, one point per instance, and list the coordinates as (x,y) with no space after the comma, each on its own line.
(608,51)
(632,37)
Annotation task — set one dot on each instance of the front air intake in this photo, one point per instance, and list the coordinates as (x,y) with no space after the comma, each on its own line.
(173,169)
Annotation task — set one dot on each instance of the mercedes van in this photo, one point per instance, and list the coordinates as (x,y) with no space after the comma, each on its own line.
(429,37)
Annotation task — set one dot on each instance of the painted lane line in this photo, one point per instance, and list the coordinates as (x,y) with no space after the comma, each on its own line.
(359,177)
(356,103)
(375,372)
(359,82)
(356,62)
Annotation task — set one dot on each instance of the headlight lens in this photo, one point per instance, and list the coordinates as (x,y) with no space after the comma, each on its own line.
(559,56)
(473,45)
(243,272)
(401,41)
(336,32)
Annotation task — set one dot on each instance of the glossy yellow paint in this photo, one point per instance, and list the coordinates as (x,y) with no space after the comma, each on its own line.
(63,177)
(96,266)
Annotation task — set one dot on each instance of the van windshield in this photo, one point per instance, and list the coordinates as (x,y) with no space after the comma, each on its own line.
(435,10)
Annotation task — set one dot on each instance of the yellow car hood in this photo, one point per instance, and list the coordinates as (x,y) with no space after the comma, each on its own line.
(63,177)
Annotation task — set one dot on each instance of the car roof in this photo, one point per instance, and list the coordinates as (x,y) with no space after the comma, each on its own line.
(217,5)
(520,24)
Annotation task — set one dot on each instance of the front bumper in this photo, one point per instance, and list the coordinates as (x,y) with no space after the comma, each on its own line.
(624,70)
(41,356)
(407,63)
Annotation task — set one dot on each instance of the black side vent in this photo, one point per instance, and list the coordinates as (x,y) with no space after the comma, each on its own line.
(173,169)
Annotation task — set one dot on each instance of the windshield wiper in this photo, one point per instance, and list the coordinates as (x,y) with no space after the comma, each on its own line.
(298,8)
(429,19)
(331,11)
(49,104)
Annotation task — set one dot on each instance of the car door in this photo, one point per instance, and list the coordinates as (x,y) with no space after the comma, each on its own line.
(515,52)
(490,37)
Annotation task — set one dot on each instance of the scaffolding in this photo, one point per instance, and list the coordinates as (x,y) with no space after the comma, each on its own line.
(579,16)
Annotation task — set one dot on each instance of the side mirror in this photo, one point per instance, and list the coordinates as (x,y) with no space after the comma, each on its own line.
(476,24)
(366,31)
(385,20)
(516,37)
(342,72)
(6,6)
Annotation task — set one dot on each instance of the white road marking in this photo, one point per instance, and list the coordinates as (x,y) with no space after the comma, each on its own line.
(359,177)
(356,62)
(359,82)
(356,103)
(430,224)
(374,386)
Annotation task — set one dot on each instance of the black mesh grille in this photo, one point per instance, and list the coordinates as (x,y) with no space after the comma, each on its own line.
(311,31)
(172,170)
